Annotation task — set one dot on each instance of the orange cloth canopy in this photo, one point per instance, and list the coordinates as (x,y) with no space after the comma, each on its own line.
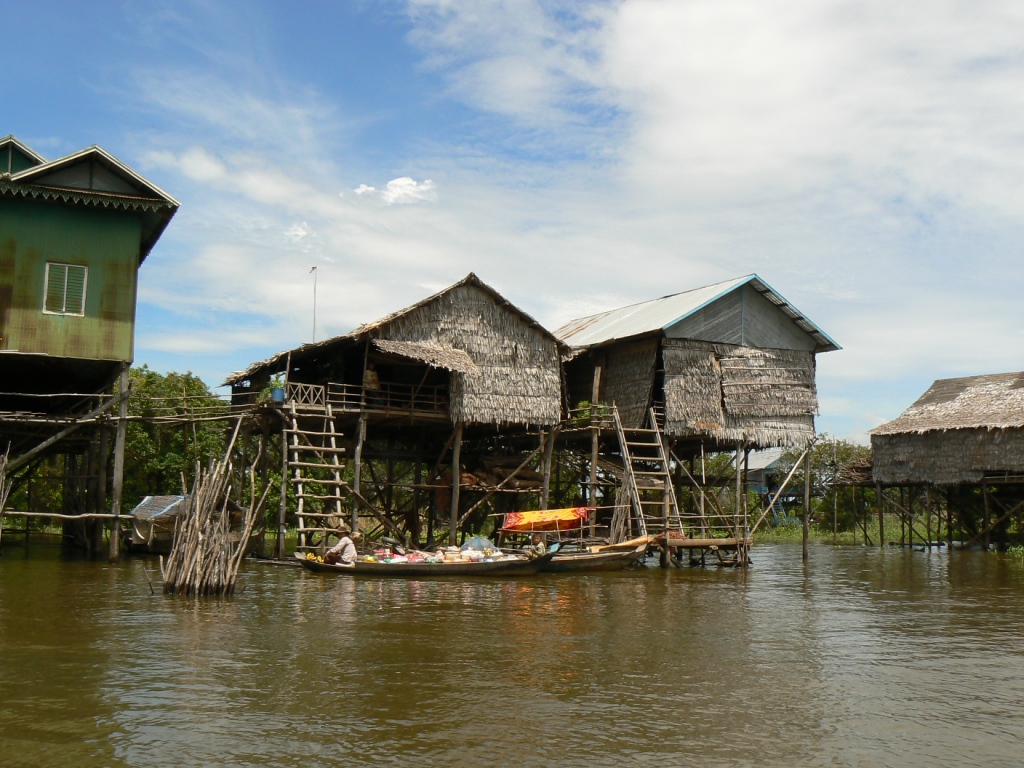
(545,520)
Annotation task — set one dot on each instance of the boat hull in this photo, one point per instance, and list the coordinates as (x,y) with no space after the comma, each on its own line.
(430,570)
(594,561)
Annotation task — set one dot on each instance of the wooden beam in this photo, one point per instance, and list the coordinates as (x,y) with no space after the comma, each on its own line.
(20,460)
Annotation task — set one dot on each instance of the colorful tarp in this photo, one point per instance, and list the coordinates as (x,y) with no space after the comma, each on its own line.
(545,520)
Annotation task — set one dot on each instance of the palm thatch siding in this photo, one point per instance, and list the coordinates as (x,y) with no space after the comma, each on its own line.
(693,389)
(517,378)
(504,367)
(629,378)
(763,397)
(959,431)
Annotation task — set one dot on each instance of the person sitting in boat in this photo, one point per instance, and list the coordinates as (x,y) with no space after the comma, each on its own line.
(344,552)
(537,546)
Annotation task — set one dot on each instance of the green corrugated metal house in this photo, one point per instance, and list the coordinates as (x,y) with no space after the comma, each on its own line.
(73,233)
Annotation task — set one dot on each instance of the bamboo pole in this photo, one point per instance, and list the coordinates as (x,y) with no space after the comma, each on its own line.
(881,517)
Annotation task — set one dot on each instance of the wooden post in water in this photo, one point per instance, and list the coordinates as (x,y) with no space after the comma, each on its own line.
(119,440)
(949,522)
(988,515)
(453,528)
(549,452)
(807,504)
(357,479)
(595,440)
(101,486)
(881,512)
(739,480)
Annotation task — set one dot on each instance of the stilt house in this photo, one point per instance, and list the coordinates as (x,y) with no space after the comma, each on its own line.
(73,234)
(961,431)
(726,364)
(406,391)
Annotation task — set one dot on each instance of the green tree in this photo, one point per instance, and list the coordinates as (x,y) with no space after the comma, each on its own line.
(178,428)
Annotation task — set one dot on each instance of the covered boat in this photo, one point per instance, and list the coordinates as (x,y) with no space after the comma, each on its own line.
(505,566)
(546,520)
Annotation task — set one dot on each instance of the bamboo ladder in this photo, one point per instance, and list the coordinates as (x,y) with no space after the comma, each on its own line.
(647,471)
(315,472)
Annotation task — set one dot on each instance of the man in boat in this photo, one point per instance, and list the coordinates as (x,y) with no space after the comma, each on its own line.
(537,546)
(344,552)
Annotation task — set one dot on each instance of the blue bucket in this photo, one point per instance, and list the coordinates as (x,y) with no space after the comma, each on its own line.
(277,395)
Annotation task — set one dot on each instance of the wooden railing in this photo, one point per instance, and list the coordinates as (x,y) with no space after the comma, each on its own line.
(391,398)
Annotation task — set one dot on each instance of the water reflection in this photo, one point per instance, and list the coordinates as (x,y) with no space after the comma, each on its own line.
(861,658)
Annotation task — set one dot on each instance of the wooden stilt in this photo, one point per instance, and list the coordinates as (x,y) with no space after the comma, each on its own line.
(101,488)
(987,542)
(549,451)
(456,484)
(595,440)
(119,440)
(357,470)
(807,504)
(881,514)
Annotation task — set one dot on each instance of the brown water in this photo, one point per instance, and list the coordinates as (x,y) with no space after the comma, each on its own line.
(863,659)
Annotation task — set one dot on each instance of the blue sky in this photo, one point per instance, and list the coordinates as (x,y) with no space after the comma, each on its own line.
(866,159)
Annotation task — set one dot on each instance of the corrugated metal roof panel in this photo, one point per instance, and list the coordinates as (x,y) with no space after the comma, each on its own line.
(659,314)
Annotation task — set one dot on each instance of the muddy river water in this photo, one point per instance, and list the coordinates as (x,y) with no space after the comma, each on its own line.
(863,658)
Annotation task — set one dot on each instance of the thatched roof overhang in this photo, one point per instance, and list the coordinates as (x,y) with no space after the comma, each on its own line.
(434,355)
(974,402)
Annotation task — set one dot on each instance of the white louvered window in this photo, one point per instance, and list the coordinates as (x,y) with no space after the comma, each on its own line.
(65,289)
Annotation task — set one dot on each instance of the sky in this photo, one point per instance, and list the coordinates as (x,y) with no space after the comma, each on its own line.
(866,159)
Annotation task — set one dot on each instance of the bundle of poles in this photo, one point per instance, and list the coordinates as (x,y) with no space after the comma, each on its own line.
(203,558)
(5,486)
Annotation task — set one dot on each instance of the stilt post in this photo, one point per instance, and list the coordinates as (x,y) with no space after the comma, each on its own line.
(453,528)
(119,440)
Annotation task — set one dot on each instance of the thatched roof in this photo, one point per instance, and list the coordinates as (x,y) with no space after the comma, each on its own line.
(433,354)
(276,363)
(974,402)
(505,368)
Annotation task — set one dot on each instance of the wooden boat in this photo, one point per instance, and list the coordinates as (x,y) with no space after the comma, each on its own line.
(518,567)
(585,560)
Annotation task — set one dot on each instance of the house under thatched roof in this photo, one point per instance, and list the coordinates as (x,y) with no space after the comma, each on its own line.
(731,362)
(492,362)
(959,431)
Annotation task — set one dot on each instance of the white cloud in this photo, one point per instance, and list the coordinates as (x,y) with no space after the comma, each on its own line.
(864,159)
(407,190)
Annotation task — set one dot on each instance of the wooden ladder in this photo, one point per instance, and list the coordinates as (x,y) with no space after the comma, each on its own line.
(647,473)
(315,472)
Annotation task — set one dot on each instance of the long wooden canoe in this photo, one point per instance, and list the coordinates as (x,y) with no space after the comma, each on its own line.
(595,561)
(518,567)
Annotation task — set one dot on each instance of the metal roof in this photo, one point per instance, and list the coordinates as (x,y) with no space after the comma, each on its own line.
(659,314)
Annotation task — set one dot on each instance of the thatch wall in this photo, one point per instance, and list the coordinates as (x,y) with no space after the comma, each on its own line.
(627,380)
(956,432)
(947,457)
(518,376)
(765,398)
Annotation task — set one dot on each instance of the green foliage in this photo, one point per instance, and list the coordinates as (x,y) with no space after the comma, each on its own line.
(585,410)
(829,457)
(157,455)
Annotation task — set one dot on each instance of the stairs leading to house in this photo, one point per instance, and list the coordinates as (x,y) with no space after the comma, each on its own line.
(315,473)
